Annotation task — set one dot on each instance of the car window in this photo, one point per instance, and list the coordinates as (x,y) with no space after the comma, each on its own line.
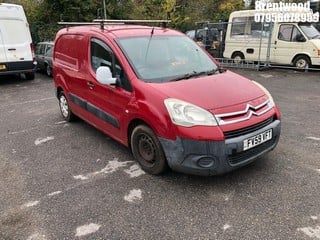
(102,55)
(49,50)
(289,33)
(40,49)
(310,30)
(37,51)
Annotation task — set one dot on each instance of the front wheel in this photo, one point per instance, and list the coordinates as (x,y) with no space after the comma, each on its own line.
(66,112)
(238,58)
(147,150)
(302,62)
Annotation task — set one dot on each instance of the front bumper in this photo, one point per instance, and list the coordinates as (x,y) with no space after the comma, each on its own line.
(216,157)
(315,61)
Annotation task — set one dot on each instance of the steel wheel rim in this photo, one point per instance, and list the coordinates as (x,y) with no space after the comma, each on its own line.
(64,106)
(301,63)
(146,148)
(237,59)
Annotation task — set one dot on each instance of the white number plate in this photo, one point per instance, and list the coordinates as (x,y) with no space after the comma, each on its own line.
(257,140)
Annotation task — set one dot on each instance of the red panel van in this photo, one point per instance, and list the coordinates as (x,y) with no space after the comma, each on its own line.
(157,92)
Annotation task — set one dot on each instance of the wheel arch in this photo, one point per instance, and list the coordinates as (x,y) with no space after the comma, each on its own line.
(60,84)
(147,148)
(301,55)
(59,89)
(235,53)
(134,123)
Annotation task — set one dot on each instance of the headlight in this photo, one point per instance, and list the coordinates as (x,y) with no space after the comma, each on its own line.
(271,102)
(188,115)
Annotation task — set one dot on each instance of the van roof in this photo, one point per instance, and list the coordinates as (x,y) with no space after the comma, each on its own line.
(121,30)
(12,11)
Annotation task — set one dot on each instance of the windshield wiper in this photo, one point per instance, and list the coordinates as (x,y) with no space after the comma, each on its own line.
(193,74)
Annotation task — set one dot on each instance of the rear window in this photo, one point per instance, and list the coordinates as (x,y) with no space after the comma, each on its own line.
(49,50)
(13,31)
(247,26)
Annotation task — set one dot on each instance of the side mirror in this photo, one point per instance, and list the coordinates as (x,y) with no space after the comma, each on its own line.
(104,76)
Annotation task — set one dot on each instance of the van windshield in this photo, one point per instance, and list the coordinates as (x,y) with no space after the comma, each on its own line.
(310,31)
(166,58)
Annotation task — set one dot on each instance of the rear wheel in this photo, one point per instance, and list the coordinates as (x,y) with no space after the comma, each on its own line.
(66,112)
(147,150)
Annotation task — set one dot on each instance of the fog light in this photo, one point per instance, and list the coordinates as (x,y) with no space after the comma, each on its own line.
(205,162)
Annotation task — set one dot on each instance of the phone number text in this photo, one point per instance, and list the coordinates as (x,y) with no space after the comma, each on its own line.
(286,17)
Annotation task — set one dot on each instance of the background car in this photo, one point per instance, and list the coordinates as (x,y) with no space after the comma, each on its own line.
(44,56)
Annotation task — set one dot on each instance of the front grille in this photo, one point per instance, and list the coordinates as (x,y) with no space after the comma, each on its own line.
(237,158)
(247,130)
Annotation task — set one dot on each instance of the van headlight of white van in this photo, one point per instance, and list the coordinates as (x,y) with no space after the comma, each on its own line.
(186,114)
(271,101)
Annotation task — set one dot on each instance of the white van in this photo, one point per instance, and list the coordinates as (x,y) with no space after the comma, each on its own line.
(16,48)
(283,43)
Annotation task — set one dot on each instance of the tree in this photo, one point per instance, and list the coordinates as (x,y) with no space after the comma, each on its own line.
(43,15)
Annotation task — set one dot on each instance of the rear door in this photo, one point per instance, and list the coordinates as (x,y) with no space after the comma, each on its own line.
(15,40)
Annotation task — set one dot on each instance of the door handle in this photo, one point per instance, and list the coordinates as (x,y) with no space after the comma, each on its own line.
(12,49)
(90,85)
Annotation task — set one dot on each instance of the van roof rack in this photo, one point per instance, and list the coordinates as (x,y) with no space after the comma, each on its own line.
(115,21)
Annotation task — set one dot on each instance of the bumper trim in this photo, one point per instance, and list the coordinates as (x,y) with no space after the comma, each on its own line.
(18,67)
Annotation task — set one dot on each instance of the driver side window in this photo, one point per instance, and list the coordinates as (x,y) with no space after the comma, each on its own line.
(102,55)
(289,33)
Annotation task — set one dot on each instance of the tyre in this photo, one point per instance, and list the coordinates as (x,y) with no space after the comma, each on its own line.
(65,108)
(238,58)
(29,76)
(147,150)
(302,62)
(48,71)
